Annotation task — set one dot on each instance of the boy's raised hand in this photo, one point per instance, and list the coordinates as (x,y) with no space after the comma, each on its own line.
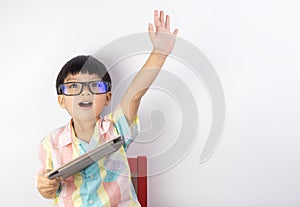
(162,38)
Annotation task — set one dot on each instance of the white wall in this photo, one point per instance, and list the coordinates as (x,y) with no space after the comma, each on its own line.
(254,48)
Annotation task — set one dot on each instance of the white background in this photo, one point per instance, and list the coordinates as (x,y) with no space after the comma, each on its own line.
(253,46)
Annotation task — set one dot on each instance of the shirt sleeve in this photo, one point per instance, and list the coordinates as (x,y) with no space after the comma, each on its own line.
(122,127)
(45,155)
(46,158)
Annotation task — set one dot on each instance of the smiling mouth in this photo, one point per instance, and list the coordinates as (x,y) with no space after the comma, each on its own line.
(85,104)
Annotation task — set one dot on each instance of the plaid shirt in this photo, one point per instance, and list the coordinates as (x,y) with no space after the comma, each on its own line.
(104,183)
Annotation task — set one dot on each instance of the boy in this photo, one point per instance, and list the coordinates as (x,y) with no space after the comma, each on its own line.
(83,87)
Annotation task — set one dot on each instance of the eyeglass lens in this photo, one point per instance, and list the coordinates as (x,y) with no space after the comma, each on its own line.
(75,88)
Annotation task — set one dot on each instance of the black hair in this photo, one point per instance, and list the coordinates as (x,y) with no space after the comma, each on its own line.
(84,64)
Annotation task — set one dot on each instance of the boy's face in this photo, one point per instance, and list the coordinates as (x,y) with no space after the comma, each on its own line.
(85,106)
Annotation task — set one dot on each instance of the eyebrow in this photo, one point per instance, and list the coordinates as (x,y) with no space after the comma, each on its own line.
(78,80)
(68,79)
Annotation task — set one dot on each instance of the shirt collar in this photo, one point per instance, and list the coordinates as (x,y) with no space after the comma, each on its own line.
(67,136)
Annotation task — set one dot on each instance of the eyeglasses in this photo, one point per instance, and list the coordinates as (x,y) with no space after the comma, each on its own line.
(76,88)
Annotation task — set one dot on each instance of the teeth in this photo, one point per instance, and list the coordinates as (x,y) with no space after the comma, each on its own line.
(85,103)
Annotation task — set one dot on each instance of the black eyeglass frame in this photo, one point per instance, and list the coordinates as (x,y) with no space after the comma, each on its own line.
(60,87)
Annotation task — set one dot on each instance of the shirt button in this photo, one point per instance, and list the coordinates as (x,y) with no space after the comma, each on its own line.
(91,202)
(91,176)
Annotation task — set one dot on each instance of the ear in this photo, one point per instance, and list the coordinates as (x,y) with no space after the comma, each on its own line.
(61,101)
(107,98)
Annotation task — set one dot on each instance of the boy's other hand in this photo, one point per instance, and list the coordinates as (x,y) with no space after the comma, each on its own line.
(47,187)
(162,38)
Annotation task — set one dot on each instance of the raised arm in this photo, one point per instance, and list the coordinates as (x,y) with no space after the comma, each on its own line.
(163,41)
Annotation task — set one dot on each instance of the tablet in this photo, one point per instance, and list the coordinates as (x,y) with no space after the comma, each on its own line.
(83,161)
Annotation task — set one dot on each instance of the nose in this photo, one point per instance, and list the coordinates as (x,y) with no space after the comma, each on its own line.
(85,90)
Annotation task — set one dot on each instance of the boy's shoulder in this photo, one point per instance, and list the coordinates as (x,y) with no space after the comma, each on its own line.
(56,135)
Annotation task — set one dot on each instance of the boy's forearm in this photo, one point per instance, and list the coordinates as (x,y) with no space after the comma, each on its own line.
(156,60)
(147,74)
(140,84)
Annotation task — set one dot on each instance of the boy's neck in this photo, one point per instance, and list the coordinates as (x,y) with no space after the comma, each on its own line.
(84,129)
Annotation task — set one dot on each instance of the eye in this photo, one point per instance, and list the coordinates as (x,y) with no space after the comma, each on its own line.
(98,84)
(73,85)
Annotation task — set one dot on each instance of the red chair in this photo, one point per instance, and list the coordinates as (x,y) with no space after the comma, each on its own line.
(138,168)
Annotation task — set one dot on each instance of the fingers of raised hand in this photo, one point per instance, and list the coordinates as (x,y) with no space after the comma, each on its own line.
(150,27)
(162,23)
(175,32)
(167,24)
(162,18)
(159,21)
(156,19)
